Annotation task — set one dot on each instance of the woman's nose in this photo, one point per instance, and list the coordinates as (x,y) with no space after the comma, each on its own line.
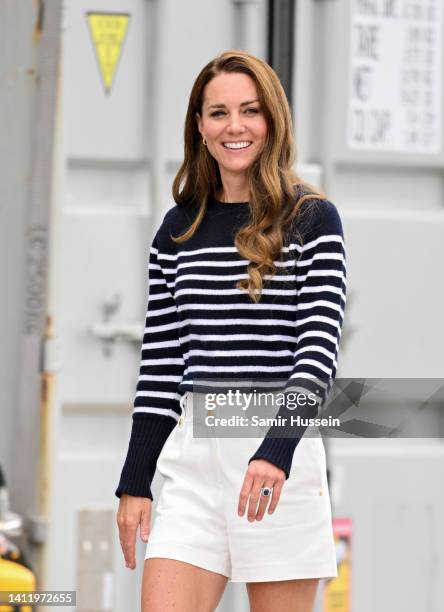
(236,124)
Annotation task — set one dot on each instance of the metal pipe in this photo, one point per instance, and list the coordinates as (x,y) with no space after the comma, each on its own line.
(281,33)
(27,490)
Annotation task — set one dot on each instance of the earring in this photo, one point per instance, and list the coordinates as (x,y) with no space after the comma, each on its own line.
(204,142)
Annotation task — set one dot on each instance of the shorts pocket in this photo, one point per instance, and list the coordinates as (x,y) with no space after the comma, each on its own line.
(306,476)
(170,452)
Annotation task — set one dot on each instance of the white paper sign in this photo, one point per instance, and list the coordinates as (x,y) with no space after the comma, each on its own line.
(395,76)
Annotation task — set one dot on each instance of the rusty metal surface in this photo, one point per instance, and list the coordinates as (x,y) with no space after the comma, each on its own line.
(30,37)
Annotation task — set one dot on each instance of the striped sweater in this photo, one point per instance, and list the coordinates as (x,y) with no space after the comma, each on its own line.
(199,326)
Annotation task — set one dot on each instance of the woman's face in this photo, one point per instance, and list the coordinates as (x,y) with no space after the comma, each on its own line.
(232,122)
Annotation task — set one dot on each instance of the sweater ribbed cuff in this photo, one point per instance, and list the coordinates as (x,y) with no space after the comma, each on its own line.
(148,435)
(280,441)
(278,451)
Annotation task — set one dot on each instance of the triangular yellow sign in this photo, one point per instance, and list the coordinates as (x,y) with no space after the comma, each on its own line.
(108,32)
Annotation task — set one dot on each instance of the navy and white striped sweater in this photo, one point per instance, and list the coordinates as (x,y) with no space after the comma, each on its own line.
(199,326)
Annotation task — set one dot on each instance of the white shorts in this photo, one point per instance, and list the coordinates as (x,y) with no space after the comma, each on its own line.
(196,517)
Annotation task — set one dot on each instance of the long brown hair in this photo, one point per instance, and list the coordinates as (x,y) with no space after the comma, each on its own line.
(274,185)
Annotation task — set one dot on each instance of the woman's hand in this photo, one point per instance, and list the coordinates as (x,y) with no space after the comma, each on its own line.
(133,511)
(260,473)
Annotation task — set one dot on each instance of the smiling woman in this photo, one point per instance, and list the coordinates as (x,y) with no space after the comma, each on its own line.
(238,99)
(234,129)
(247,284)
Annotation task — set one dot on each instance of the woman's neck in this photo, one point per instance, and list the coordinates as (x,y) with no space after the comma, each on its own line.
(235,189)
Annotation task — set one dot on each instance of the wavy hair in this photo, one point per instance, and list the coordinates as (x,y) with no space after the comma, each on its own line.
(276,191)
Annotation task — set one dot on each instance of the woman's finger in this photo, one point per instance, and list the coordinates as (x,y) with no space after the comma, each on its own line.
(145,524)
(264,500)
(244,493)
(129,546)
(277,488)
(254,497)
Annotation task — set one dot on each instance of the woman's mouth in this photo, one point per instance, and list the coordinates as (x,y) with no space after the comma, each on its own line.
(237,146)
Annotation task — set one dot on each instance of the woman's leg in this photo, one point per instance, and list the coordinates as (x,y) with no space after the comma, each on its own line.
(169,585)
(285,595)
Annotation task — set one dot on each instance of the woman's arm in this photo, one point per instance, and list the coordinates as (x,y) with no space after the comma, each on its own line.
(321,294)
(156,404)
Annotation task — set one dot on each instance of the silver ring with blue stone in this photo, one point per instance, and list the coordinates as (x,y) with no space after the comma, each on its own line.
(266,491)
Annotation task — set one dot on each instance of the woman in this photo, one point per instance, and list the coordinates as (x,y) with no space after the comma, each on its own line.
(246,281)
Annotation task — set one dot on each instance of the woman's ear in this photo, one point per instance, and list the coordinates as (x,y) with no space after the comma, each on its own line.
(199,122)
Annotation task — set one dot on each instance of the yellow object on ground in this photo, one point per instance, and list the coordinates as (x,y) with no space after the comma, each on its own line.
(15,577)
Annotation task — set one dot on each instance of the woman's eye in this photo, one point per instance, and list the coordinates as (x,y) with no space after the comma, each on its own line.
(248,111)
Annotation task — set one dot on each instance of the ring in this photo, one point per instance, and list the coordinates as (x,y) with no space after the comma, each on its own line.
(266,491)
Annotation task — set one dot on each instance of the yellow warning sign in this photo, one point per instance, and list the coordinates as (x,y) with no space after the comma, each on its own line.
(108,32)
